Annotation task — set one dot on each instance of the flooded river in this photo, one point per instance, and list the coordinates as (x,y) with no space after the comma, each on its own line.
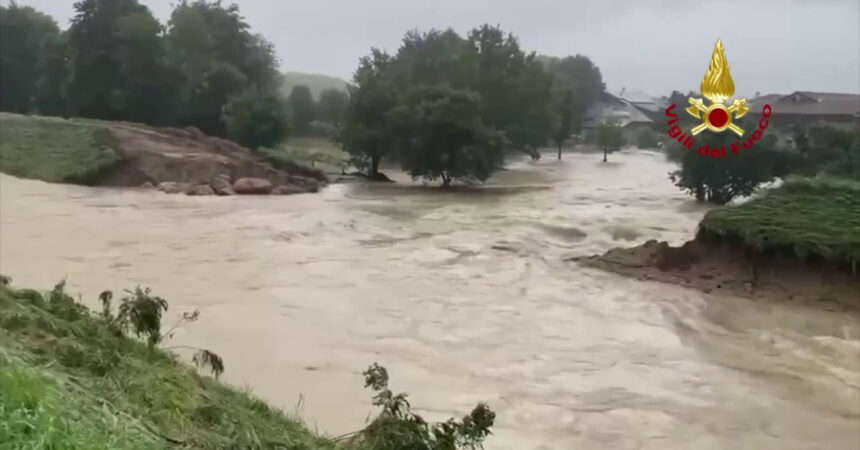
(465,297)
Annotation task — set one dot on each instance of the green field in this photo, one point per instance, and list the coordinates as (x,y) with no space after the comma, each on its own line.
(810,219)
(314,152)
(54,149)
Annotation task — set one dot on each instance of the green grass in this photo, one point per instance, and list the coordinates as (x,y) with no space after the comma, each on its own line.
(318,154)
(54,149)
(41,407)
(809,219)
(73,379)
(69,381)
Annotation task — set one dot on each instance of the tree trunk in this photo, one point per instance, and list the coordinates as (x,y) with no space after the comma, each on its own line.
(559,151)
(374,165)
(446,180)
(604,155)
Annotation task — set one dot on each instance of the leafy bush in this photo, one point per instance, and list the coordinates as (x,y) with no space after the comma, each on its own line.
(647,138)
(398,428)
(257,119)
(142,313)
(719,180)
(609,138)
(830,149)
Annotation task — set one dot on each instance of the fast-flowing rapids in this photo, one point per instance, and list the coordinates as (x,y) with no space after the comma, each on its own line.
(464,296)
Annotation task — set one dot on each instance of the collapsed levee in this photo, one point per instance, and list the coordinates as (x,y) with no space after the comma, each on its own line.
(799,242)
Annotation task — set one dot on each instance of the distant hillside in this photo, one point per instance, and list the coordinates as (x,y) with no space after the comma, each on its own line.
(316,82)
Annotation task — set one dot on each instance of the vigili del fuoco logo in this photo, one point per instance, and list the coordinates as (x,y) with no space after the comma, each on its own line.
(717,86)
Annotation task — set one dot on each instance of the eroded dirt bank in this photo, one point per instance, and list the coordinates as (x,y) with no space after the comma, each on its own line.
(712,268)
(187,156)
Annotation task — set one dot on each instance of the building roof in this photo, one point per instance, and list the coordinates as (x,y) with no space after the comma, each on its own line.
(616,109)
(809,103)
(638,97)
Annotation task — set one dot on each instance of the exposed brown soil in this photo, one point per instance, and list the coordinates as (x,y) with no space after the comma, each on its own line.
(729,270)
(187,156)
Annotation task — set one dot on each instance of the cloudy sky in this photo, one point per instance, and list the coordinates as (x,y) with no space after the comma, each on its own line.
(647,45)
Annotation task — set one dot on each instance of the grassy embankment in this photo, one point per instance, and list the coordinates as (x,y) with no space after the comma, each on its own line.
(81,151)
(54,149)
(814,220)
(74,379)
(69,381)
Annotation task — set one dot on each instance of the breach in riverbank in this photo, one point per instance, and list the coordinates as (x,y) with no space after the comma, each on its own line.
(94,152)
(799,242)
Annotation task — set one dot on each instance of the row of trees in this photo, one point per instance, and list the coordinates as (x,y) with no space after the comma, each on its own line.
(448,107)
(204,68)
(821,149)
(444,105)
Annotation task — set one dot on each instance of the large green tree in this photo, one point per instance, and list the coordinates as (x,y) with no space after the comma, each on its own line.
(32,61)
(563,104)
(302,110)
(118,65)
(219,58)
(515,90)
(394,101)
(447,138)
(257,119)
(610,138)
(368,133)
(577,85)
(331,106)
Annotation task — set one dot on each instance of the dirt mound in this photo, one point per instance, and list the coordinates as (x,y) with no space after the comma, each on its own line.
(729,270)
(189,157)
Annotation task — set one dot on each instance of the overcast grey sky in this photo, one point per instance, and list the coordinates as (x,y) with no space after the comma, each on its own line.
(648,45)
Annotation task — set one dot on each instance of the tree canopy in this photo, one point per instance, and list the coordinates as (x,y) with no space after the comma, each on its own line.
(610,138)
(302,109)
(207,69)
(449,107)
(578,84)
(331,107)
(117,62)
(719,180)
(31,46)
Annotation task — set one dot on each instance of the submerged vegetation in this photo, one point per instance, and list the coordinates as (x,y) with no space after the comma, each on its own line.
(75,379)
(814,219)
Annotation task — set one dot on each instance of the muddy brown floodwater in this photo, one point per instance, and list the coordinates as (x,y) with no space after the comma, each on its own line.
(465,297)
